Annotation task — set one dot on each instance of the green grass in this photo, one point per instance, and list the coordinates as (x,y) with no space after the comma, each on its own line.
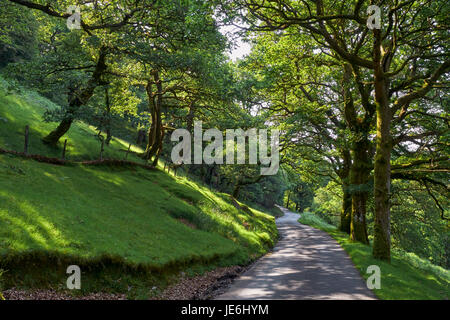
(124,226)
(21,108)
(407,277)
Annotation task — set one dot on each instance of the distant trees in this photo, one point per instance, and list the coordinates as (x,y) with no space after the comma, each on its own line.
(313,99)
(406,62)
(358,106)
(18,34)
(159,43)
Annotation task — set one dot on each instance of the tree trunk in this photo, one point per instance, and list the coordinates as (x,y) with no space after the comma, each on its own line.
(382,183)
(382,233)
(240,183)
(160,148)
(156,129)
(107,118)
(141,137)
(346,210)
(359,176)
(360,166)
(78,98)
(152,109)
(236,190)
(190,127)
(53,137)
(288,199)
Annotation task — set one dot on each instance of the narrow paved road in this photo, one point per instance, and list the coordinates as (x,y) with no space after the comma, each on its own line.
(305,264)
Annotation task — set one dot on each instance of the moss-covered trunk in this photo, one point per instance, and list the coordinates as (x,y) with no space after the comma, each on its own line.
(359,176)
(382,181)
(288,199)
(346,210)
(53,137)
(78,98)
(107,118)
(156,132)
(236,190)
(344,175)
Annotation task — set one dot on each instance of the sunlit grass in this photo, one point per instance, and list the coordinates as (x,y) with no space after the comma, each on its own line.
(19,109)
(141,217)
(129,213)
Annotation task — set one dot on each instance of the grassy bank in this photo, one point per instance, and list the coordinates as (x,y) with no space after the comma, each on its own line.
(126,227)
(406,277)
(21,107)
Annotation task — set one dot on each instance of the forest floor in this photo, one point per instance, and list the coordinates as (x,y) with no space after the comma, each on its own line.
(305,264)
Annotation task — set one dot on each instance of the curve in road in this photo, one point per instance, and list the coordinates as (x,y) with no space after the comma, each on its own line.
(306,263)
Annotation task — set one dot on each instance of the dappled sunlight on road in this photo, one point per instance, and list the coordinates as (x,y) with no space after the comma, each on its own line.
(306,264)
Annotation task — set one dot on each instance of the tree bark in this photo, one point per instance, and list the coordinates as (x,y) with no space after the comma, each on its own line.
(288,199)
(346,210)
(359,176)
(359,163)
(53,137)
(107,118)
(382,183)
(344,175)
(78,98)
(156,130)
(236,190)
(141,137)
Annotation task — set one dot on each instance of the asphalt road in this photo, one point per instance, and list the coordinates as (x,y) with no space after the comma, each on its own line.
(305,264)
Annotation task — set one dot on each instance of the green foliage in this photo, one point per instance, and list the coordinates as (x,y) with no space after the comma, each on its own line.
(299,78)
(328,203)
(314,220)
(18,34)
(416,224)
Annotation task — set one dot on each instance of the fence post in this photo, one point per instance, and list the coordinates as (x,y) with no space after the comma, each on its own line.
(64,150)
(27,131)
(102,149)
(126,154)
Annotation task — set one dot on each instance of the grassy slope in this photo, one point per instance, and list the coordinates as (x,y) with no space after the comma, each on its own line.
(406,277)
(18,109)
(131,216)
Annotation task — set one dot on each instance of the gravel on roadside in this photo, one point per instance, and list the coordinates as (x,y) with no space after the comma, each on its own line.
(202,287)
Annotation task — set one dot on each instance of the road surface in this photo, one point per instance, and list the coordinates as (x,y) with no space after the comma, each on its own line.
(306,263)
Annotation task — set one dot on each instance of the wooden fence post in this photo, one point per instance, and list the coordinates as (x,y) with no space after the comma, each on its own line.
(102,149)
(27,131)
(64,150)
(126,154)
